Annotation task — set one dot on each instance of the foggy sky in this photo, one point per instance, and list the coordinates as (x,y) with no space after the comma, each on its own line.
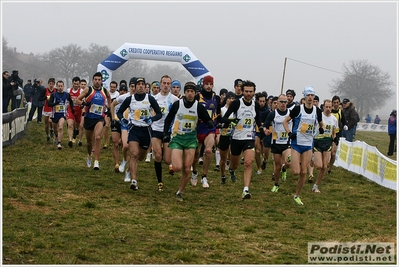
(231,39)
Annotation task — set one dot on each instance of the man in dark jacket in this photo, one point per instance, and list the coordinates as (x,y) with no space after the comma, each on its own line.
(351,118)
(15,83)
(28,91)
(38,92)
(7,91)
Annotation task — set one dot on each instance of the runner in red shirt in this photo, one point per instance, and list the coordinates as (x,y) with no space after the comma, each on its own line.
(48,111)
(73,119)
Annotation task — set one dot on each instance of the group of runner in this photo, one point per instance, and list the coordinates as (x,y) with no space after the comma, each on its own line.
(155,117)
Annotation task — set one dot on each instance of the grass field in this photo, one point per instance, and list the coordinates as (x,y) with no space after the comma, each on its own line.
(58,211)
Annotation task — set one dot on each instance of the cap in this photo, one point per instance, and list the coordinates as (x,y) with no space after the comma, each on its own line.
(132,81)
(393,112)
(237,82)
(270,96)
(190,85)
(155,83)
(207,79)
(123,88)
(308,90)
(139,79)
(229,95)
(346,100)
(290,92)
(223,91)
(176,83)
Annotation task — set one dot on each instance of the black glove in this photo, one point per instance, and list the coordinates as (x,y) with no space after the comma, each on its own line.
(148,120)
(166,138)
(85,104)
(335,140)
(210,124)
(292,136)
(321,130)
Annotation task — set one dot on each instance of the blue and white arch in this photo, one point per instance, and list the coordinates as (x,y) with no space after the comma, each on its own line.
(151,52)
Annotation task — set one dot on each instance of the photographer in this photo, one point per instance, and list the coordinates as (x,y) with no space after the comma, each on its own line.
(37,94)
(15,83)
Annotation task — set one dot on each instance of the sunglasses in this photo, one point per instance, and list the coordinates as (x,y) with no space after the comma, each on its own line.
(283,101)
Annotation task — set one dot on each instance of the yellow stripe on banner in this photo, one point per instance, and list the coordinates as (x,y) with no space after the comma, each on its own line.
(372,163)
(357,156)
(343,153)
(390,171)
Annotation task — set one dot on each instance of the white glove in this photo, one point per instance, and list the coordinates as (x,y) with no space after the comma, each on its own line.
(345,128)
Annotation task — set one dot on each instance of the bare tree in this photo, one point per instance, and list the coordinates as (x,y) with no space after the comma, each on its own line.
(67,62)
(364,84)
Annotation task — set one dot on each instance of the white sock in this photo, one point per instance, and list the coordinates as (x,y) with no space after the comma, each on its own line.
(217,157)
(246,188)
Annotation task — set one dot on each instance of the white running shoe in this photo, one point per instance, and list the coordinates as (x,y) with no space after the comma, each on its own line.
(127,177)
(148,158)
(96,165)
(194,179)
(204,182)
(88,161)
(122,166)
(259,171)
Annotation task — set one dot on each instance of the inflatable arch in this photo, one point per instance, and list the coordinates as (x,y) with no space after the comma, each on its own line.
(151,52)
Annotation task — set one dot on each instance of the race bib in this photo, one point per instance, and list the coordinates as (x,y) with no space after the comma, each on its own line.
(59,108)
(140,114)
(96,109)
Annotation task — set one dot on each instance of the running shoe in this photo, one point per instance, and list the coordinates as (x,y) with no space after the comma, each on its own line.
(217,168)
(70,143)
(298,201)
(315,189)
(127,177)
(179,197)
(79,143)
(246,194)
(204,182)
(232,175)
(329,172)
(59,146)
(259,171)
(283,175)
(133,185)
(200,161)
(105,146)
(122,166)
(55,141)
(194,179)
(48,138)
(310,180)
(88,161)
(223,179)
(275,188)
(160,187)
(116,168)
(96,165)
(171,171)
(242,161)
(148,158)
(264,165)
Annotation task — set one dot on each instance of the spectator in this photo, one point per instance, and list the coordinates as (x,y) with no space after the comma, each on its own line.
(351,118)
(392,132)
(368,118)
(377,119)
(15,83)
(38,91)
(7,91)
